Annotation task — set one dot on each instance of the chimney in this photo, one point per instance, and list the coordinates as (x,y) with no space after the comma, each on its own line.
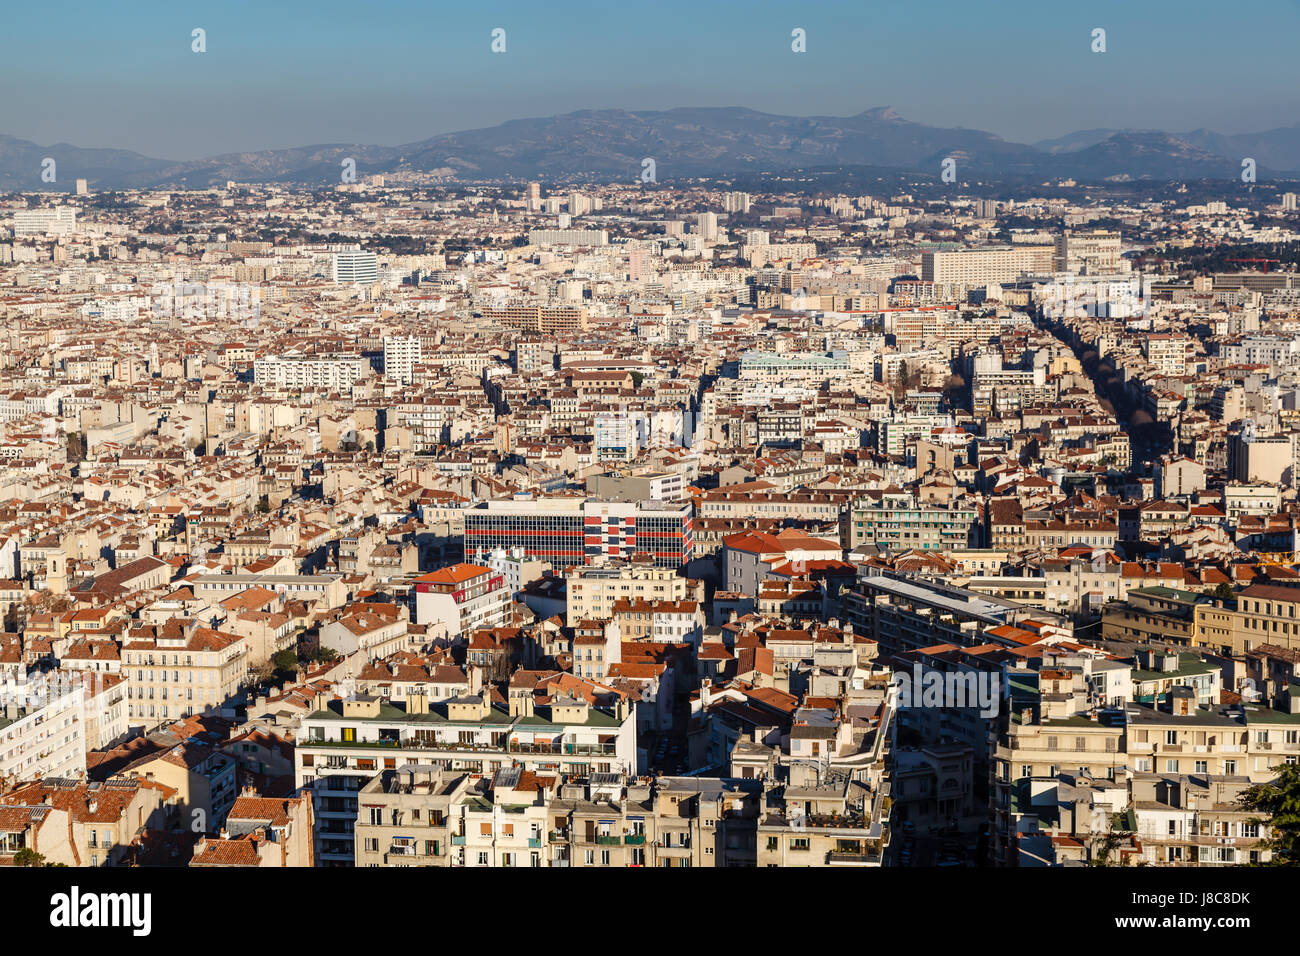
(417,704)
(521,705)
(705,687)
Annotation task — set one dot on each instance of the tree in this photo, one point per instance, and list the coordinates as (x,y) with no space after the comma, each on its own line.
(1115,836)
(285,662)
(325,655)
(1278,803)
(1224,592)
(29,857)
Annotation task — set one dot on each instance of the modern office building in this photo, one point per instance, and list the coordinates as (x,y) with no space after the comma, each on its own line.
(351,266)
(568,531)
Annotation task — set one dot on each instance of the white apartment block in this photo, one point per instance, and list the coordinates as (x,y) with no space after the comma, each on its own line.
(318,372)
(58,220)
(41,732)
(401,354)
(980,267)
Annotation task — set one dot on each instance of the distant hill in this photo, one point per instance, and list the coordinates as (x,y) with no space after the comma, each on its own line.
(610,145)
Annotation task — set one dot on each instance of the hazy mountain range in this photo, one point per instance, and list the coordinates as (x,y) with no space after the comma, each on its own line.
(610,145)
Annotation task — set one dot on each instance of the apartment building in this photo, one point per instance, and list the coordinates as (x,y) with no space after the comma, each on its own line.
(41,734)
(418,815)
(346,742)
(592,590)
(901,523)
(461,599)
(104,818)
(665,622)
(401,354)
(180,668)
(315,372)
(563,320)
(982,267)
(1090,253)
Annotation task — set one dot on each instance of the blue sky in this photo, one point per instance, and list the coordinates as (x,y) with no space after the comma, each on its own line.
(391,71)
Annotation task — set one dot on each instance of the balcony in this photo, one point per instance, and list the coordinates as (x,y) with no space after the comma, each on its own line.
(411,743)
(608,840)
(634,839)
(849,858)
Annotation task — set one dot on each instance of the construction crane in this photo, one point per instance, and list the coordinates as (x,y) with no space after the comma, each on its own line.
(1274,558)
(1265,261)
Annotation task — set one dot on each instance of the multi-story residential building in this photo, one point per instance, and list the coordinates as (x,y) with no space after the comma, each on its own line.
(982,267)
(104,818)
(41,733)
(401,354)
(346,742)
(592,590)
(666,622)
(180,669)
(1091,253)
(317,372)
(462,598)
(901,523)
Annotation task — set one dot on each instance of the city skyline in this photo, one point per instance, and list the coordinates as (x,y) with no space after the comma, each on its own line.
(1017,70)
(857,438)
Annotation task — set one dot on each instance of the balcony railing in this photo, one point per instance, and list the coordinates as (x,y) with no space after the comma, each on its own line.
(852,857)
(560,749)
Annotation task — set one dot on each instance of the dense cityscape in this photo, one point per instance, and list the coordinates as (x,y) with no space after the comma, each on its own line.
(461,526)
(444,442)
